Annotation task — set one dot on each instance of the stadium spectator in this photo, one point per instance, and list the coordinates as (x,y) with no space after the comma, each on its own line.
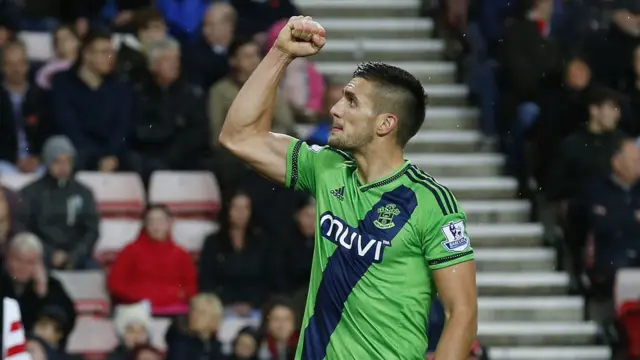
(132,54)
(612,205)
(531,64)
(171,126)
(47,333)
(140,271)
(132,324)
(93,107)
(563,112)
(302,86)
(280,336)
(630,124)
(298,251)
(183,17)
(256,16)
(245,345)
(65,46)
(196,338)
(21,131)
(322,129)
(622,39)
(145,352)
(25,279)
(585,154)
(244,57)
(10,217)
(206,62)
(235,263)
(61,210)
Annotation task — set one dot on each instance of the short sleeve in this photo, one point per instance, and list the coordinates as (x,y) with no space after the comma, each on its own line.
(446,242)
(302,161)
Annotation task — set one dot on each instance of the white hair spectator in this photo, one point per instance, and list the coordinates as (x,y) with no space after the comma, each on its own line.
(26,242)
(157,48)
(208,299)
(133,314)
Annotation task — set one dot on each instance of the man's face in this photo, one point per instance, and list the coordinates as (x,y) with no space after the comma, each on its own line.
(167,65)
(218,25)
(100,56)
(61,167)
(246,59)
(607,115)
(626,164)
(578,75)
(22,265)
(354,116)
(15,65)
(156,30)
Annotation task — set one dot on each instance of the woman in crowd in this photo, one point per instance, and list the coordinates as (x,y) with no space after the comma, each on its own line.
(245,345)
(196,337)
(132,323)
(279,331)
(153,267)
(65,46)
(235,262)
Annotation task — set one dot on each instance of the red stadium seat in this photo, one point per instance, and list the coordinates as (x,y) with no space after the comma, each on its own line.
(186,193)
(629,317)
(117,195)
(115,234)
(16,182)
(87,289)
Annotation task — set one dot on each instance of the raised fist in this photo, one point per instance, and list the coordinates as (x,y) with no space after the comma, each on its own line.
(301,37)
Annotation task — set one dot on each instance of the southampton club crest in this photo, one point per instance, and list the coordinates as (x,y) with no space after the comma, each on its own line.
(385,216)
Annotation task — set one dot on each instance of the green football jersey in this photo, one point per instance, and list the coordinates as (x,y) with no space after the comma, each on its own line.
(376,246)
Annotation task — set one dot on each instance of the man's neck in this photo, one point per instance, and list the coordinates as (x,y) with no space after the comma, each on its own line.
(17,88)
(164,83)
(90,78)
(377,162)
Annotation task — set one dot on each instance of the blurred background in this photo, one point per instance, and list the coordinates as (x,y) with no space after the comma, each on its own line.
(126,232)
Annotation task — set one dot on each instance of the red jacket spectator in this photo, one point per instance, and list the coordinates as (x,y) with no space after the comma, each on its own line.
(153,268)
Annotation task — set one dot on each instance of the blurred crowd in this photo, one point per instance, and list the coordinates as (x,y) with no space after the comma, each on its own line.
(557,83)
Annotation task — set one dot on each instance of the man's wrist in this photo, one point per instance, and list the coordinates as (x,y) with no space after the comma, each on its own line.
(280,55)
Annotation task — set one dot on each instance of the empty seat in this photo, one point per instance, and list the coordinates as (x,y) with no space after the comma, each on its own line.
(118,194)
(87,289)
(186,193)
(16,182)
(115,234)
(190,234)
(95,337)
(92,337)
(627,287)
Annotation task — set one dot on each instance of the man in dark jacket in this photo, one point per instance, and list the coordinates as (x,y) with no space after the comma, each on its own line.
(206,61)
(612,207)
(21,129)
(61,211)
(93,107)
(131,59)
(24,278)
(171,128)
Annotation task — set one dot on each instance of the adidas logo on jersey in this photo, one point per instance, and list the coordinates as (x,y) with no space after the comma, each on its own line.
(338,193)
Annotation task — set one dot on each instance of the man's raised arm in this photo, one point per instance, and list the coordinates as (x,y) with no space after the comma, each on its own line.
(246,130)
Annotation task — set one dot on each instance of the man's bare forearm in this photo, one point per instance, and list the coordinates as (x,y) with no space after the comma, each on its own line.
(459,334)
(251,112)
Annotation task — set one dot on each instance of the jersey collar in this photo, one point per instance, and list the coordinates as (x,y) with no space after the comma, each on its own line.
(384,181)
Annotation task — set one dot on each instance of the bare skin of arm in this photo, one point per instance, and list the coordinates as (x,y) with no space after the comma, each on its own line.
(627,22)
(246,130)
(457,290)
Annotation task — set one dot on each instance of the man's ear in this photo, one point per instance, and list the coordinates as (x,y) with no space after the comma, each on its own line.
(386,124)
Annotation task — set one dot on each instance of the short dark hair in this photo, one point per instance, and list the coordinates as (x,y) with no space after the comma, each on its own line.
(600,95)
(92,37)
(402,94)
(238,43)
(145,16)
